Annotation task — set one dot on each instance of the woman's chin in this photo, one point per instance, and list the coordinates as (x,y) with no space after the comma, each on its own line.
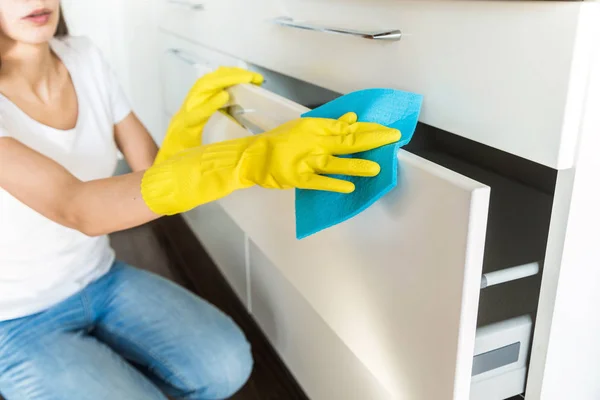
(26,33)
(38,36)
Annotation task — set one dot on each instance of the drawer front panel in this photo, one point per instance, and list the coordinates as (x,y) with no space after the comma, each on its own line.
(399,283)
(319,360)
(498,73)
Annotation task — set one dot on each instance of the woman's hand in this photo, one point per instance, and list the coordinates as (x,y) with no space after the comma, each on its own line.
(290,156)
(295,154)
(205,98)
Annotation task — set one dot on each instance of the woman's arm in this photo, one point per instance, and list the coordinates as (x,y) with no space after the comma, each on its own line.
(292,155)
(94,208)
(135,143)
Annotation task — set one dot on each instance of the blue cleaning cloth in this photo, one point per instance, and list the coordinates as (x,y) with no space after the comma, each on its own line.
(317,210)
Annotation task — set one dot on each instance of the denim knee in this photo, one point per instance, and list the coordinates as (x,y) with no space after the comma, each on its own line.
(227,376)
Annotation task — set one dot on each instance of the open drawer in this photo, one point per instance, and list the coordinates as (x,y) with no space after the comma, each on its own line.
(399,284)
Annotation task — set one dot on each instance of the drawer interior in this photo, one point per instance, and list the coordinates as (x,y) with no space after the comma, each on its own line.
(519,215)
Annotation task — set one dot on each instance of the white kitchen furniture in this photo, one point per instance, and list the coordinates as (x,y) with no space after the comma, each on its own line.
(502,172)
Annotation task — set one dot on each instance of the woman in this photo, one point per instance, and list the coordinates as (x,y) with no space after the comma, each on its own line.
(75,323)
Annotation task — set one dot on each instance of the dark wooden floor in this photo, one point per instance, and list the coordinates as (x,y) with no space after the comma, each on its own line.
(169,248)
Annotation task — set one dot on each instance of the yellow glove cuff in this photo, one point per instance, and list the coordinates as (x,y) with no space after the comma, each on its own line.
(194,177)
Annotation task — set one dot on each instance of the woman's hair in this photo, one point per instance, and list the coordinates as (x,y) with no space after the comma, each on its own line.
(62,29)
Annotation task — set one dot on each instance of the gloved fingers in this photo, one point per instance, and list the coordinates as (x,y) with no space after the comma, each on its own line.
(328,164)
(347,124)
(348,118)
(198,113)
(257,78)
(319,182)
(223,78)
(330,127)
(363,140)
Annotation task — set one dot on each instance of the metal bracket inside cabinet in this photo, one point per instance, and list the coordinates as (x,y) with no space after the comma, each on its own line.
(241,116)
(509,274)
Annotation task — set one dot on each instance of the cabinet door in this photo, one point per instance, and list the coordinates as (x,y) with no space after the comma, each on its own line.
(326,368)
(224,241)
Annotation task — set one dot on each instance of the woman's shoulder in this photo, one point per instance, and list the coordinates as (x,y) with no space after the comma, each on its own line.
(76,47)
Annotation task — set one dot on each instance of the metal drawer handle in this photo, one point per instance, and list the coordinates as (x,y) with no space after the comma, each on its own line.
(391,35)
(185,57)
(191,4)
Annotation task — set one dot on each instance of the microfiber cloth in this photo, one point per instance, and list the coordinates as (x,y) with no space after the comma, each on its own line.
(317,210)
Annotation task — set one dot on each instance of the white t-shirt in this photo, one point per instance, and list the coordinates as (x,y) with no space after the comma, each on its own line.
(41,262)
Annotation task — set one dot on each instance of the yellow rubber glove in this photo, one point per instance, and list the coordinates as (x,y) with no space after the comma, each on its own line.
(204,99)
(290,156)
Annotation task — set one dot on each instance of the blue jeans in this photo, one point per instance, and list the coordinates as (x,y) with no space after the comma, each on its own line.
(86,347)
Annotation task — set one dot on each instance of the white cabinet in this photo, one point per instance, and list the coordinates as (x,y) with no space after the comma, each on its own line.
(386,305)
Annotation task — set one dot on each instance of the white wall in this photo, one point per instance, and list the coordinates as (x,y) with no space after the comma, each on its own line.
(126,32)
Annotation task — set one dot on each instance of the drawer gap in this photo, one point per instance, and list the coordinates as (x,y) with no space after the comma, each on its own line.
(518,219)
